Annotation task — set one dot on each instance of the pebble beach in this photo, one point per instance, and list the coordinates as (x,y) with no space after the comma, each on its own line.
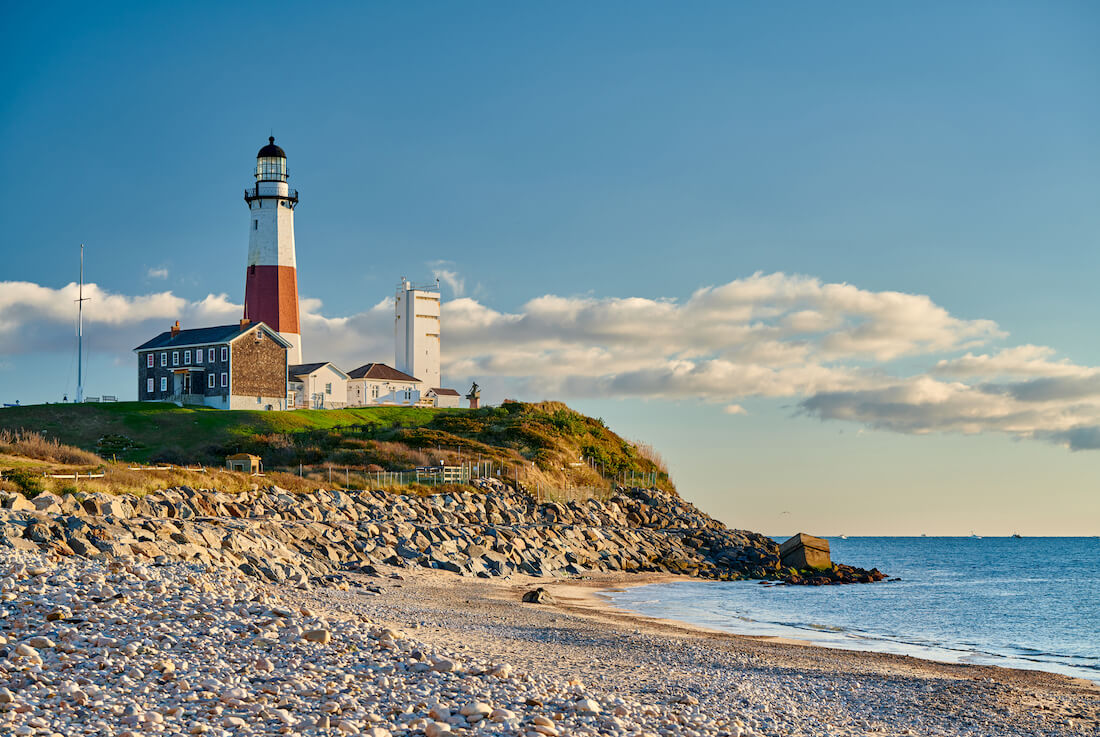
(121,646)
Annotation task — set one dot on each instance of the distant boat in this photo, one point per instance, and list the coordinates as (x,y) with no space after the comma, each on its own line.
(1017,535)
(975,535)
(843,537)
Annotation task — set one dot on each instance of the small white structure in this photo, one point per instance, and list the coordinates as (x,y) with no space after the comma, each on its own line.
(442,397)
(377,383)
(317,386)
(416,331)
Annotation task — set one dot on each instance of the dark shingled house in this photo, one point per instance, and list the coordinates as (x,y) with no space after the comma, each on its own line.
(240,366)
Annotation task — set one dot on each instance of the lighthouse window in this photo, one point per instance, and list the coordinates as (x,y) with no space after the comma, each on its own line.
(255,224)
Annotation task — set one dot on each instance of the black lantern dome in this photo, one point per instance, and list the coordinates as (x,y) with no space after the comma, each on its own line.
(271,150)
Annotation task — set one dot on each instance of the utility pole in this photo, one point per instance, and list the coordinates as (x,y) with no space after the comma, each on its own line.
(80,333)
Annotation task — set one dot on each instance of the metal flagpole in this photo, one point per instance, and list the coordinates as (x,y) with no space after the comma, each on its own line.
(80,333)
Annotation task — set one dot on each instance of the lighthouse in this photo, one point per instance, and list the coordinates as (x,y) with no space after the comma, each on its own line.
(271,281)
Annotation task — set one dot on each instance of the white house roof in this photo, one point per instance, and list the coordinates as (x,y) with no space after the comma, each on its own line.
(305,369)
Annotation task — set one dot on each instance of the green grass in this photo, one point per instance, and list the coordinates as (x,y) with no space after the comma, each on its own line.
(542,441)
(154,426)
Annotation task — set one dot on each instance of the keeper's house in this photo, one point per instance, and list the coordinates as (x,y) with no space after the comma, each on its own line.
(226,367)
(377,383)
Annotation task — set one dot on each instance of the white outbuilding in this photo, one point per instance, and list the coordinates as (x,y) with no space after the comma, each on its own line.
(442,397)
(317,386)
(377,383)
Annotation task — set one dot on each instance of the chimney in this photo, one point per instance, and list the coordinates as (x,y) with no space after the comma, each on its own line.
(245,322)
(176,329)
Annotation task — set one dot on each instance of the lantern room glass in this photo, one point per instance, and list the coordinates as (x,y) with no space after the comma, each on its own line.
(271,169)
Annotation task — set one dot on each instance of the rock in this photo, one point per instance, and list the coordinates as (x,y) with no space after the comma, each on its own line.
(321,636)
(435,729)
(475,711)
(24,650)
(538,596)
(503,670)
(586,706)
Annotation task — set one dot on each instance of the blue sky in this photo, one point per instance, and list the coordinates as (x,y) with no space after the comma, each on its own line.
(601,152)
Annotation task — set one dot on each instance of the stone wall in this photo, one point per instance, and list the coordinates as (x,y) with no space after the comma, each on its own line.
(285,537)
(259,367)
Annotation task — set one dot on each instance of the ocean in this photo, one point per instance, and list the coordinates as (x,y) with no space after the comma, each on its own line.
(1019,603)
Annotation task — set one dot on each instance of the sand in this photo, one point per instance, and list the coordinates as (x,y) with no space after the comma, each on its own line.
(779,686)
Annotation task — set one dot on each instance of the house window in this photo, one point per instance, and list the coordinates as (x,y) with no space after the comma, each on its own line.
(328,388)
(210,380)
(225,353)
(164,358)
(374,391)
(210,356)
(187,358)
(148,386)
(175,358)
(225,379)
(164,383)
(149,360)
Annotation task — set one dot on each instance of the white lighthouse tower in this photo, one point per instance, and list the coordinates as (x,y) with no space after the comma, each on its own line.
(416,332)
(271,281)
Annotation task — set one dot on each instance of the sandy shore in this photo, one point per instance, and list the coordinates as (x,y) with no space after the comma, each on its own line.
(779,686)
(122,648)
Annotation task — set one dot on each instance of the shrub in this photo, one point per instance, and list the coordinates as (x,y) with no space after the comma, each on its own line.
(35,445)
(29,482)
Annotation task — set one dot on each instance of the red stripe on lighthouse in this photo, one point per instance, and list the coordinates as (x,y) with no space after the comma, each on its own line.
(271,296)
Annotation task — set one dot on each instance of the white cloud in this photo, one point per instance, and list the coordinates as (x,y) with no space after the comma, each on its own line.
(452,280)
(159,272)
(444,272)
(1024,360)
(832,347)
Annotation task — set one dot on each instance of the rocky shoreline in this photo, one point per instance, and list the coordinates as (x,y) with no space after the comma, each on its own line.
(292,539)
(189,613)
